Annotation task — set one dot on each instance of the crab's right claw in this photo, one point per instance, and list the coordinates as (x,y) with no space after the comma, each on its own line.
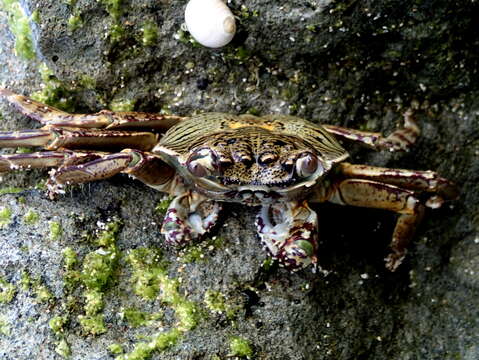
(288,232)
(188,217)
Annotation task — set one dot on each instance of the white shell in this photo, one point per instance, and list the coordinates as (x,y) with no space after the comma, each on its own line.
(210,22)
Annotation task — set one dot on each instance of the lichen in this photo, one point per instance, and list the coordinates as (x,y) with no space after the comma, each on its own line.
(31,217)
(7,291)
(5,217)
(240,347)
(19,24)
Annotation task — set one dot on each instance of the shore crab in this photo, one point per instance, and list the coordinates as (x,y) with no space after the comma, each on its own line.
(277,163)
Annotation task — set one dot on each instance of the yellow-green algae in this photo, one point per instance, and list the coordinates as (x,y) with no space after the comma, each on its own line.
(5,217)
(53,91)
(4,326)
(31,217)
(10,190)
(122,105)
(58,323)
(97,271)
(62,348)
(163,205)
(41,291)
(151,280)
(7,291)
(74,22)
(137,318)
(19,24)
(240,347)
(150,33)
(116,349)
(55,230)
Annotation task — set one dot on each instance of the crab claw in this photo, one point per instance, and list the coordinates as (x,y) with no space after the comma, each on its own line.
(188,217)
(288,231)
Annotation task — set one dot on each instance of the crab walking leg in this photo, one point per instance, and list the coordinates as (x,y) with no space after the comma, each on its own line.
(399,140)
(288,231)
(143,166)
(189,216)
(39,160)
(426,181)
(55,138)
(50,116)
(366,193)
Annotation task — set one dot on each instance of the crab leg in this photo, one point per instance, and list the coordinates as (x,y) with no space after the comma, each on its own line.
(426,181)
(38,160)
(289,232)
(145,167)
(366,193)
(399,140)
(50,116)
(55,138)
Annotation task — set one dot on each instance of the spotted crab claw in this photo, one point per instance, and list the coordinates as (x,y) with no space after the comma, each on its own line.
(288,232)
(188,217)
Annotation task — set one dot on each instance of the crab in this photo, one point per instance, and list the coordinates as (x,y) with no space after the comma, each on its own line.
(277,163)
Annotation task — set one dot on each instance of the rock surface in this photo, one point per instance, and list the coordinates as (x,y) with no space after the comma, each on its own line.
(350,63)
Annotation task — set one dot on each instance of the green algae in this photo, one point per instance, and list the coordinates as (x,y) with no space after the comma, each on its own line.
(4,326)
(10,190)
(55,230)
(116,349)
(53,92)
(19,24)
(57,324)
(114,8)
(62,348)
(137,318)
(159,342)
(74,22)
(122,105)
(31,217)
(163,206)
(5,217)
(96,274)
(7,291)
(240,347)
(150,33)
(94,325)
(41,292)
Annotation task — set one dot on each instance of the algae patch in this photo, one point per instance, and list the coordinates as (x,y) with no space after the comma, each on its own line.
(240,347)
(7,291)
(19,24)
(31,217)
(4,326)
(5,217)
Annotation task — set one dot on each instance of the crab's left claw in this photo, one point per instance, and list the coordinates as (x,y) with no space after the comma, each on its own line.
(289,232)
(188,217)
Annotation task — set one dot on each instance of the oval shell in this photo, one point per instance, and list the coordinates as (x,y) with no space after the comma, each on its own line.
(210,22)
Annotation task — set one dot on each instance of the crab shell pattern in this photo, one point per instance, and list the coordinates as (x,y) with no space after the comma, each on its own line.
(276,163)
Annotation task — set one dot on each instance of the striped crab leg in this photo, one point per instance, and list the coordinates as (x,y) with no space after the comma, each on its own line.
(400,140)
(396,190)
(105,119)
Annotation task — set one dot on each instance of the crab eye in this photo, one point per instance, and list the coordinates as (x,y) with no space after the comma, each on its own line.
(201,163)
(307,165)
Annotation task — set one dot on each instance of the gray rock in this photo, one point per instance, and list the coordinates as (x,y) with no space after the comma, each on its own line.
(348,63)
